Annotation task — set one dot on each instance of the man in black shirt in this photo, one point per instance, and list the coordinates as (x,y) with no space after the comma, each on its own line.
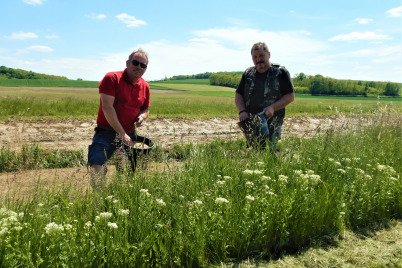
(265,88)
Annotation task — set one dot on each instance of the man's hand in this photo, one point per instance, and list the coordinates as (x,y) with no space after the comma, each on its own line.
(138,121)
(269,112)
(127,140)
(243,116)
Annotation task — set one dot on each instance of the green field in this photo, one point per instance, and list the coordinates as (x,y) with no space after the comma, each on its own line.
(170,100)
(221,202)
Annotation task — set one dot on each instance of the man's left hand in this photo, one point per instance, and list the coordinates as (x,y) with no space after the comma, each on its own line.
(138,121)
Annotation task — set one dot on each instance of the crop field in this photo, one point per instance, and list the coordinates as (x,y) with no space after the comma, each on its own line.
(200,198)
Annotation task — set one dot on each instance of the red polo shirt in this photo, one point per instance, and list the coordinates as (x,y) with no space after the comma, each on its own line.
(129,99)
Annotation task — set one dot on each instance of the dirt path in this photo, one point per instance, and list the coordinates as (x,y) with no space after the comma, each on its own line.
(76,134)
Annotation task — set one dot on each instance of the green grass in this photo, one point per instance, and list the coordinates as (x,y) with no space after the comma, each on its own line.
(47,83)
(183,81)
(170,101)
(224,203)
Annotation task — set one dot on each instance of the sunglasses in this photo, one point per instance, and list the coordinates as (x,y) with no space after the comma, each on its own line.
(136,62)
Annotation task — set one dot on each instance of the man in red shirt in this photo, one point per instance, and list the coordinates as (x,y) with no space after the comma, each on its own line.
(124,103)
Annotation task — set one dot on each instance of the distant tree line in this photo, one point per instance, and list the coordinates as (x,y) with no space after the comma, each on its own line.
(194,76)
(11,73)
(319,85)
(225,79)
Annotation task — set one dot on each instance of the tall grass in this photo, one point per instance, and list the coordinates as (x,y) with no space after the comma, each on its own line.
(32,156)
(47,83)
(224,202)
(164,105)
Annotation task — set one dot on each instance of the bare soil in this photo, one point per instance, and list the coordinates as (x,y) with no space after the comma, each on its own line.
(77,134)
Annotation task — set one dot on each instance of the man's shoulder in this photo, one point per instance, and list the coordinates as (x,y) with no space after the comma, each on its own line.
(114,75)
(250,70)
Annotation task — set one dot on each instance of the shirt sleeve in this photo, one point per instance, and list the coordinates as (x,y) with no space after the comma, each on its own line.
(108,84)
(240,87)
(286,83)
(147,102)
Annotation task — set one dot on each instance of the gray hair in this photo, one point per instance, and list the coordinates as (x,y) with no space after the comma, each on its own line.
(259,45)
(139,51)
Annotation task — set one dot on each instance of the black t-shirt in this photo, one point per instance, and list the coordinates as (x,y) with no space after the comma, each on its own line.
(257,97)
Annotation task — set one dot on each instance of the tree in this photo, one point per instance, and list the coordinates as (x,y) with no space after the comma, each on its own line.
(391,89)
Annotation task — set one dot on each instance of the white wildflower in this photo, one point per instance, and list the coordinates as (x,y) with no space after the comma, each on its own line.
(298,172)
(112,225)
(197,202)
(227,177)
(249,183)
(260,164)
(220,182)
(219,176)
(271,193)
(53,228)
(124,212)
(145,191)
(105,215)
(341,170)
(110,197)
(40,205)
(266,178)
(249,197)
(283,178)
(88,224)
(115,201)
(3,231)
(251,172)
(221,200)
(158,225)
(160,202)
(18,228)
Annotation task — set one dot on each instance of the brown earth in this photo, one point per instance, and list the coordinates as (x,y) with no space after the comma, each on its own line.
(77,134)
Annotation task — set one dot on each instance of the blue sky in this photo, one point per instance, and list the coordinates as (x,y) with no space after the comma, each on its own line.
(351,39)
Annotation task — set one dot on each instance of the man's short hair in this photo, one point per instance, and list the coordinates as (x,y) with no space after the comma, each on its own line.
(139,51)
(259,45)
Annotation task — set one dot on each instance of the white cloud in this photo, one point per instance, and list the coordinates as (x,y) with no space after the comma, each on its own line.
(22,35)
(96,16)
(361,53)
(395,12)
(130,21)
(305,32)
(40,48)
(51,36)
(209,51)
(228,49)
(363,20)
(34,2)
(359,36)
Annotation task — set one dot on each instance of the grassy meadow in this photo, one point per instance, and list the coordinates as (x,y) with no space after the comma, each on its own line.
(169,100)
(224,203)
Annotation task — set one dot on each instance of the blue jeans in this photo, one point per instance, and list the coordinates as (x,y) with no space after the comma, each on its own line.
(104,144)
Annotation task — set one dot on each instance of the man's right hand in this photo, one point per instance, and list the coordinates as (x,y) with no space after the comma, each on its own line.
(243,116)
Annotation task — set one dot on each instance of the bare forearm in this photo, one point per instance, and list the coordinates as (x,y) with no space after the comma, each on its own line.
(111,117)
(144,113)
(239,101)
(283,102)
